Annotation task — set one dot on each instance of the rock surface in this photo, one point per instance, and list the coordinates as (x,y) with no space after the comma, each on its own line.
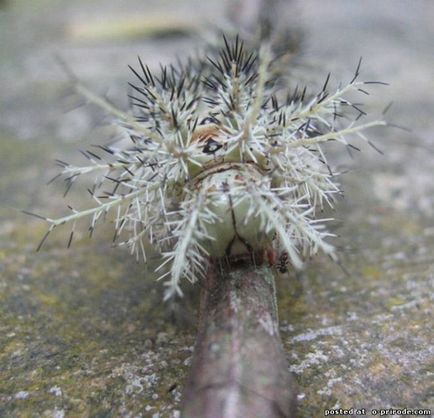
(83,332)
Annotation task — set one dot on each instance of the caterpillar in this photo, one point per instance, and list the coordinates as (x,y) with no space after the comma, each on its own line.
(220,164)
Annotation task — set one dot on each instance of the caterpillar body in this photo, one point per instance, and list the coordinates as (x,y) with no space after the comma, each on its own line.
(219,165)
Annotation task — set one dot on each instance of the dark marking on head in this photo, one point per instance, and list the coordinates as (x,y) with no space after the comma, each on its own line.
(211,146)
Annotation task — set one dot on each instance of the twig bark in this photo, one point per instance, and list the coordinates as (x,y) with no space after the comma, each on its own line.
(239,368)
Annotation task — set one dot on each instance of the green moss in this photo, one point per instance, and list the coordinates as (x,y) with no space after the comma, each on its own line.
(394,301)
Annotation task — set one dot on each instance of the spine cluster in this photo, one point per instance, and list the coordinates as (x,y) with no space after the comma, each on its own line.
(219,163)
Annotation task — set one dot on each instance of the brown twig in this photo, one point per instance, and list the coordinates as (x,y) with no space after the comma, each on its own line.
(239,367)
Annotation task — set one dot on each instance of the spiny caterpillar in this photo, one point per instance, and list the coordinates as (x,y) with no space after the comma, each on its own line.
(218,164)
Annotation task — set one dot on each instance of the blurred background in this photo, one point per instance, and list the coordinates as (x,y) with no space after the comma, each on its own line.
(83,332)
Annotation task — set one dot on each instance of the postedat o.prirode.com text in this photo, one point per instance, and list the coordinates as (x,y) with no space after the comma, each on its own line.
(382,412)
